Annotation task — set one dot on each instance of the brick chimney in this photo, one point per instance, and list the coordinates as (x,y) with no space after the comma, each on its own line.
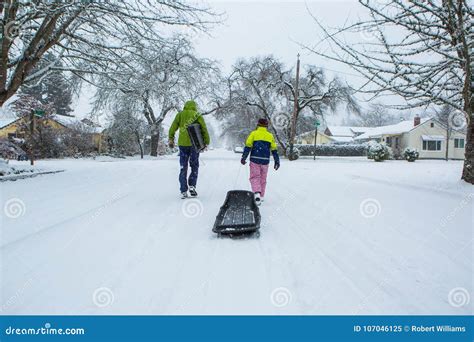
(416,121)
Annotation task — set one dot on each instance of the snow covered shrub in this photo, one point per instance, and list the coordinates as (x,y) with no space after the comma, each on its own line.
(411,154)
(295,155)
(378,152)
(10,150)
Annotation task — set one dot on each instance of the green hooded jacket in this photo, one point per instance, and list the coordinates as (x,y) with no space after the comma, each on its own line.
(183,119)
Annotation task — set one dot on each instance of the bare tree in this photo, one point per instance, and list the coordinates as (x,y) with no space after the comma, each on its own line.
(87,36)
(428,61)
(155,82)
(266,84)
(377,115)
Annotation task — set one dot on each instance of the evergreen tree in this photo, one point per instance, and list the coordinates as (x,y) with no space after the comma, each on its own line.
(53,90)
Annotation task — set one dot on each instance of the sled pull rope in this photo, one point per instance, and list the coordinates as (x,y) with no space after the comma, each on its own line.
(238,174)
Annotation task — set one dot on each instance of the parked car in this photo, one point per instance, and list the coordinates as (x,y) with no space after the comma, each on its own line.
(22,157)
(238,149)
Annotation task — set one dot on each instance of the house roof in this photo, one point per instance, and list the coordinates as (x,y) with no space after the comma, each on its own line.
(7,121)
(398,128)
(73,122)
(347,131)
(7,117)
(66,121)
(361,129)
(341,131)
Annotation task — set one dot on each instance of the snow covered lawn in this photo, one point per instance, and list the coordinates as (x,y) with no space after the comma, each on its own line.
(339,236)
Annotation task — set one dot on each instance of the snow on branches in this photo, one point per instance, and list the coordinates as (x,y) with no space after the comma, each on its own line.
(87,36)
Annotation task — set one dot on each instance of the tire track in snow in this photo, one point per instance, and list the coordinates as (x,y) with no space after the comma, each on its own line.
(202,287)
(277,271)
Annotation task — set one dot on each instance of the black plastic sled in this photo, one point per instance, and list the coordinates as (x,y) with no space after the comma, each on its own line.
(195,134)
(238,215)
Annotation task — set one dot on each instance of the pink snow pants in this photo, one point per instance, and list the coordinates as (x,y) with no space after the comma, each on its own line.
(258,177)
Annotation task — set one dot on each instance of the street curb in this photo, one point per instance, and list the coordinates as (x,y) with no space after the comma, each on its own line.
(31,175)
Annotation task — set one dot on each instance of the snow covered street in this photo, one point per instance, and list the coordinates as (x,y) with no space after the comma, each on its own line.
(338,236)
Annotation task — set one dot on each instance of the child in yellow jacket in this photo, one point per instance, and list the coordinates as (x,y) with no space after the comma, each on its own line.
(260,144)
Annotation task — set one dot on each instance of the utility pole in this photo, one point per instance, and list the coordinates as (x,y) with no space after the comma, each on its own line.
(448,136)
(315,137)
(33,114)
(32,132)
(316,124)
(295,109)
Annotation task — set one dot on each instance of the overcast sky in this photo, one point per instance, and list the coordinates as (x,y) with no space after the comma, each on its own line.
(256,28)
(272,27)
(253,28)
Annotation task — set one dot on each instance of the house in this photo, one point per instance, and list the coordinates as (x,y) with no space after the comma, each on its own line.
(427,135)
(84,125)
(332,135)
(307,138)
(345,134)
(14,127)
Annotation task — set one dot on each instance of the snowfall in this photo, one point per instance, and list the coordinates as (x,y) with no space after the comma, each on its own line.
(338,236)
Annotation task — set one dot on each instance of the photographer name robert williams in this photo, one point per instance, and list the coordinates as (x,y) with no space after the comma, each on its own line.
(437,328)
(409,328)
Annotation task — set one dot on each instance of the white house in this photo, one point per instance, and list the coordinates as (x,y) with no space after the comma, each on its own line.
(427,135)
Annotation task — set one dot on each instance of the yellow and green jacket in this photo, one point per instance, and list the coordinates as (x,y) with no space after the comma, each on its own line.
(183,119)
(259,145)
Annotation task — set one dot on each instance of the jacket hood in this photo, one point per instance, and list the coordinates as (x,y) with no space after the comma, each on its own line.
(190,105)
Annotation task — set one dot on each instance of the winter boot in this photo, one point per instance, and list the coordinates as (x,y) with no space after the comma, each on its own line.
(184,195)
(257,198)
(192,191)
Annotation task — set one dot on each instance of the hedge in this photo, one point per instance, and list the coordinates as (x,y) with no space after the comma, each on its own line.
(330,150)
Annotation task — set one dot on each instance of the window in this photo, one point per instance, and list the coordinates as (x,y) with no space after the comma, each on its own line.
(458,142)
(397,142)
(388,140)
(431,145)
(432,124)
